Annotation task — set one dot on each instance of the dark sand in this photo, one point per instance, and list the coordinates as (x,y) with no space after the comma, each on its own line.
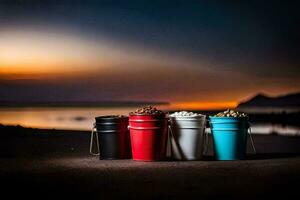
(50,164)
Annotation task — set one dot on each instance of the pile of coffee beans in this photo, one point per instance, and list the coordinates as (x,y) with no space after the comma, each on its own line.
(185,114)
(148,110)
(231,113)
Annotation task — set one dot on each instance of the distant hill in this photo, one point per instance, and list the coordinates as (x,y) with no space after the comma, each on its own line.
(261,100)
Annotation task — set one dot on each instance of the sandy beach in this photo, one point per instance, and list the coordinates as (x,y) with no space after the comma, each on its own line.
(52,164)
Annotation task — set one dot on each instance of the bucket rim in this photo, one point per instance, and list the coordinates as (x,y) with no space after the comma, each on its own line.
(144,114)
(228,129)
(111,123)
(188,118)
(111,117)
(148,120)
(198,116)
(199,128)
(145,128)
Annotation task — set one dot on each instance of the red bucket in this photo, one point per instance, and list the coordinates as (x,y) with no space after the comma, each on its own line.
(148,134)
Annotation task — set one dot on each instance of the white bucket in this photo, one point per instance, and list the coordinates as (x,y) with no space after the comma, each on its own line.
(187,137)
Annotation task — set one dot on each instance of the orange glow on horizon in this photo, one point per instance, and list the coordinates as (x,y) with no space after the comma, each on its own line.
(32,69)
(36,71)
(204,105)
(47,72)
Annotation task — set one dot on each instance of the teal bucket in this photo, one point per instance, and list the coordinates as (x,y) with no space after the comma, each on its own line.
(229,137)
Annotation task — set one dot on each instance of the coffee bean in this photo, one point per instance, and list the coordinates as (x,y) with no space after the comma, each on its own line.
(230,113)
(147,110)
(185,114)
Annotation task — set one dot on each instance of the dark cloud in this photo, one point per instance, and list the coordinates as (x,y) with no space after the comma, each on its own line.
(253,45)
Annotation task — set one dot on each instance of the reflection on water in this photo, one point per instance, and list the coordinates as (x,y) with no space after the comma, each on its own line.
(257,110)
(83,118)
(275,129)
(58,118)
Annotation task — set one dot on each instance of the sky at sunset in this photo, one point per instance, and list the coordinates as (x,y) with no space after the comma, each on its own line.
(177,51)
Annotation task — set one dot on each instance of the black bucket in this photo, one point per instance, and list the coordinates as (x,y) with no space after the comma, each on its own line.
(112,137)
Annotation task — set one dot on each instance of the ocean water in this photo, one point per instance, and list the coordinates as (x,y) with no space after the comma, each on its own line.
(77,118)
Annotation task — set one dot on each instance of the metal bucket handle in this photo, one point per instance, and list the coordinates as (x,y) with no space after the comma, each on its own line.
(251,139)
(206,139)
(94,131)
(170,136)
